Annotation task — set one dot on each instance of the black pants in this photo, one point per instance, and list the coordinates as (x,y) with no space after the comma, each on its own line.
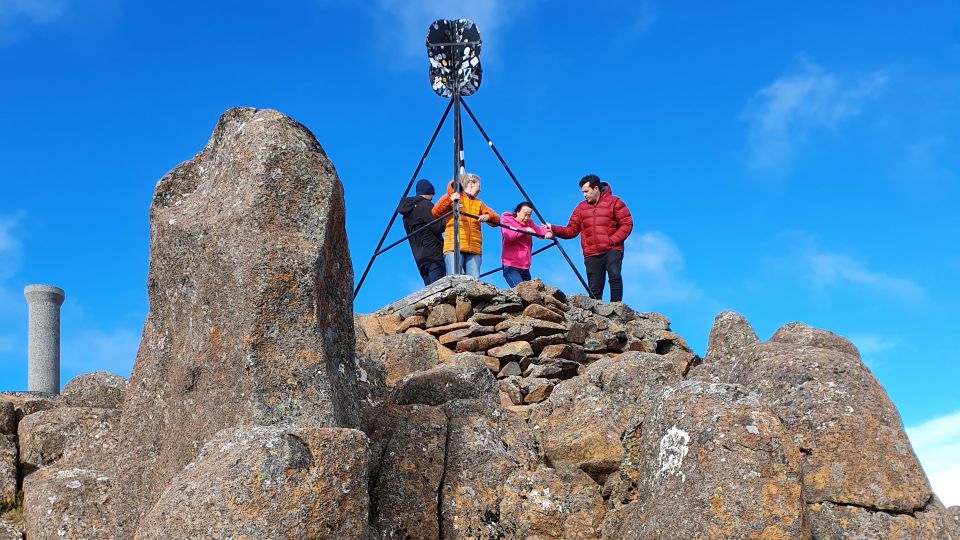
(598,266)
(432,271)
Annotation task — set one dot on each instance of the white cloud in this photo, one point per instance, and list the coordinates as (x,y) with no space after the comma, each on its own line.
(783,114)
(408,21)
(823,268)
(16,16)
(826,269)
(653,271)
(937,444)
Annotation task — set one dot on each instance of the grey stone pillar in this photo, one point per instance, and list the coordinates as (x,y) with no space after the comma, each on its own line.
(43,367)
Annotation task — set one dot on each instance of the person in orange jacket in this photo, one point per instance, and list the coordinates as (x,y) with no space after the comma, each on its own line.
(471,238)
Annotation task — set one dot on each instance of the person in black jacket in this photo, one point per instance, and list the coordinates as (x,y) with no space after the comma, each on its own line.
(427,245)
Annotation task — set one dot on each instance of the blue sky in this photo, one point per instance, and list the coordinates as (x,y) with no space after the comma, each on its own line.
(794,163)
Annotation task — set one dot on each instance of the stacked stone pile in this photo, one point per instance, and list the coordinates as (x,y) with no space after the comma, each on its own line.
(531,337)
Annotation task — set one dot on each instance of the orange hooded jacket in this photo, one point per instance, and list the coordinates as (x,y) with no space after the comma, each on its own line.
(471,238)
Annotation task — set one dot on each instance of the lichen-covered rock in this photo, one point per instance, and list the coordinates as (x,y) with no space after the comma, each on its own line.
(267,482)
(537,311)
(250,288)
(67,503)
(403,496)
(8,531)
(441,315)
(560,503)
(730,336)
(100,390)
(721,456)
(482,452)
(828,520)
(45,436)
(403,354)
(512,352)
(469,378)
(27,403)
(8,470)
(581,423)
(8,418)
(798,333)
(832,404)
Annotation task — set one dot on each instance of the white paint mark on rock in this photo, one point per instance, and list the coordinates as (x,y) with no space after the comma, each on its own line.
(673,448)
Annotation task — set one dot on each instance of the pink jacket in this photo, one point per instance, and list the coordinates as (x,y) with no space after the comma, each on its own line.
(517,247)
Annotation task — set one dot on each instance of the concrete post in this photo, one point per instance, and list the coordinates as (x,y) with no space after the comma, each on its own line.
(43,367)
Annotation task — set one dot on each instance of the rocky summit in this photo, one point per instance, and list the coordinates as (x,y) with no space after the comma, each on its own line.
(261,407)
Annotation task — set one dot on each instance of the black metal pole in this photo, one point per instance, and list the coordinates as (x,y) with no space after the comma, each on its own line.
(413,178)
(525,196)
(456,180)
(415,231)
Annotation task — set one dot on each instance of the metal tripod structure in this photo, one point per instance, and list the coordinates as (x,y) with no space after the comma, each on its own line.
(456,103)
(455,72)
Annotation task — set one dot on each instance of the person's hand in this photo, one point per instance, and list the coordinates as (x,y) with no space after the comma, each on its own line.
(548,235)
(454,196)
(484,217)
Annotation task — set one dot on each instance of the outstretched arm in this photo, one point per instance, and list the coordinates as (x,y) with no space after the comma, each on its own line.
(492,218)
(571,230)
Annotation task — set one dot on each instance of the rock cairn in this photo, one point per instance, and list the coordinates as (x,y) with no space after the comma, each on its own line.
(531,337)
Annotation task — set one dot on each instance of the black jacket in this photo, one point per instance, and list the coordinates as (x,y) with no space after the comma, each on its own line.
(427,245)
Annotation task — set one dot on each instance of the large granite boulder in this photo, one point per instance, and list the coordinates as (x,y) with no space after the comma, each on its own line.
(406,480)
(8,418)
(468,378)
(67,503)
(45,436)
(8,470)
(716,452)
(402,354)
(100,390)
(268,482)
(483,451)
(730,336)
(828,520)
(832,404)
(561,503)
(250,288)
(582,421)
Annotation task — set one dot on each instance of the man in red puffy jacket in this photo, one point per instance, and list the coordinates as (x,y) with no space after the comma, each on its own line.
(603,223)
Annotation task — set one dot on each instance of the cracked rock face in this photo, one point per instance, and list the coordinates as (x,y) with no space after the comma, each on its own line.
(582,421)
(250,289)
(267,482)
(718,453)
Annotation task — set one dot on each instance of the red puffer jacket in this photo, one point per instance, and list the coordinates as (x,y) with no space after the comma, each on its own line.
(602,226)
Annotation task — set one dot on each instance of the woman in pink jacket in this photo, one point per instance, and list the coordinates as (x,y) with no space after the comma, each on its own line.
(517,246)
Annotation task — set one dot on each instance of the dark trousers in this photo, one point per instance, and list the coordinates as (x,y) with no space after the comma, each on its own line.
(432,271)
(599,266)
(513,276)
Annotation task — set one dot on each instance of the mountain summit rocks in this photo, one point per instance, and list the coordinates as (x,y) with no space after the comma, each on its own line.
(261,407)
